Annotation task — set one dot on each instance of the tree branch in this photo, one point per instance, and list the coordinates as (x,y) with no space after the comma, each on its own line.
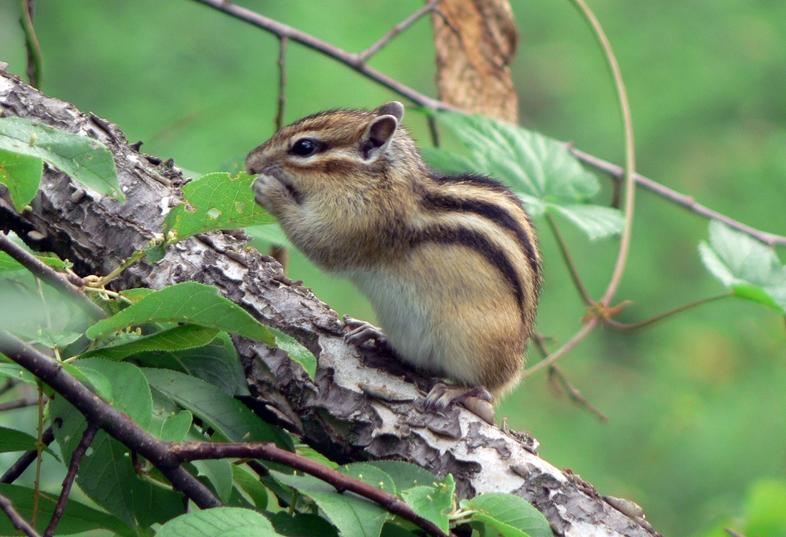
(68,481)
(24,462)
(396,30)
(687,202)
(334,410)
(191,451)
(108,418)
(16,519)
(51,277)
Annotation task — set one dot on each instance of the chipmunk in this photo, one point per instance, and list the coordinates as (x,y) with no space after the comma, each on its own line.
(449,263)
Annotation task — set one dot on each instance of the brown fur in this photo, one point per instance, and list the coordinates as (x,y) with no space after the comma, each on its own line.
(450,264)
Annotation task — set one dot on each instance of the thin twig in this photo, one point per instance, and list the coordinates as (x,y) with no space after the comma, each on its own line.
(572,268)
(630,153)
(396,30)
(616,173)
(573,393)
(282,81)
(39,459)
(664,315)
(24,462)
(7,386)
(548,361)
(190,451)
(49,276)
(24,402)
(278,252)
(16,519)
(433,130)
(114,422)
(68,482)
(347,58)
(32,45)
(351,60)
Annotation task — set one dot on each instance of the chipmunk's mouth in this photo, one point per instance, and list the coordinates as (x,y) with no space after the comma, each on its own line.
(277,175)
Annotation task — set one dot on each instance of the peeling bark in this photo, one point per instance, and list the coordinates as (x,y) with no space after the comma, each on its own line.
(475,41)
(361,404)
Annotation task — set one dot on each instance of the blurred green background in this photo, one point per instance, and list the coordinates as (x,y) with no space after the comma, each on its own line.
(697,404)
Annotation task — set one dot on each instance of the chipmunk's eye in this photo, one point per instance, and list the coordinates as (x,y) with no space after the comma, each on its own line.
(305,147)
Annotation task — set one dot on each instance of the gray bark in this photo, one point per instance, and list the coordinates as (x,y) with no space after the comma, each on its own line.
(361,404)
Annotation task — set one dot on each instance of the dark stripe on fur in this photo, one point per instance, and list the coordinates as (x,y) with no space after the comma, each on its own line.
(495,213)
(478,242)
(480,181)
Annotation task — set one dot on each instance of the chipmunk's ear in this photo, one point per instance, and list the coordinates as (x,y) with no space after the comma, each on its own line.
(393,108)
(379,132)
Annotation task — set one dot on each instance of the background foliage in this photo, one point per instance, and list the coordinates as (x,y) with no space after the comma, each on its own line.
(695,405)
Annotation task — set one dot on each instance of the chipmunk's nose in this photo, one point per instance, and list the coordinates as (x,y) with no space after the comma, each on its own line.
(255,163)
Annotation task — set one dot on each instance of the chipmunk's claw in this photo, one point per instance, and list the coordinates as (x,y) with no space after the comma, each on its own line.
(476,399)
(360,332)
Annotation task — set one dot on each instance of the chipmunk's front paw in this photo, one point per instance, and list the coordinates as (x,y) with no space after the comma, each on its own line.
(271,192)
(359,333)
(476,399)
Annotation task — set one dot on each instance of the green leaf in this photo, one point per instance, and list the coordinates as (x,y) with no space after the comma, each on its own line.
(22,175)
(106,473)
(250,484)
(93,379)
(219,473)
(352,515)
(216,201)
(751,270)
(84,159)
(130,391)
(175,428)
(189,302)
(406,475)
(302,525)
(370,474)
(181,337)
(77,518)
(433,503)
(216,363)
(310,453)
(226,415)
(218,522)
(264,236)
(13,440)
(595,221)
(539,169)
(17,372)
(510,515)
(296,352)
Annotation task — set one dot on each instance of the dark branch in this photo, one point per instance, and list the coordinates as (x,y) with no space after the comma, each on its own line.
(282,81)
(347,58)
(24,462)
(191,451)
(73,467)
(32,45)
(16,519)
(49,276)
(104,415)
(19,403)
(616,172)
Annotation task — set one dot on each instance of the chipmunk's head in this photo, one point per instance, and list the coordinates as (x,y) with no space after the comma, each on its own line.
(335,173)
(337,149)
